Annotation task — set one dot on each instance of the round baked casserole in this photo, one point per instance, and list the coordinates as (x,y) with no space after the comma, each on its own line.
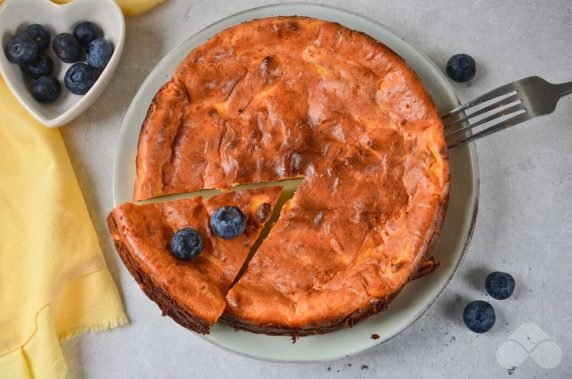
(290,97)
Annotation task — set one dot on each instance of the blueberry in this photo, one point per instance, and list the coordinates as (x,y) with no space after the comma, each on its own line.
(40,35)
(21,49)
(461,67)
(479,316)
(86,32)
(67,48)
(47,89)
(186,244)
(500,285)
(80,78)
(228,222)
(38,68)
(99,53)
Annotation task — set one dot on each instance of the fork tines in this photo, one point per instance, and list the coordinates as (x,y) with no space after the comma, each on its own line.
(498,109)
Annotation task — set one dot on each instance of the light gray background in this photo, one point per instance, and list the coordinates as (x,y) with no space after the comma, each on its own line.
(524,225)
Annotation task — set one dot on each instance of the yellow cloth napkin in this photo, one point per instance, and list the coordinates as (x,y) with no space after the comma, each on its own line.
(54,283)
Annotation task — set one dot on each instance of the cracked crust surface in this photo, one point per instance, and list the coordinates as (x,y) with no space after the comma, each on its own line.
(192,293)
(425,268)
(286,97)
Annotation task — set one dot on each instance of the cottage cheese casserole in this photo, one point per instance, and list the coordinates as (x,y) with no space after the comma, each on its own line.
(296,97)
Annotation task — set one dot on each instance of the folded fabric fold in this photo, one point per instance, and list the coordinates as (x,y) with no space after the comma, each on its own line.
(53,280)
(41,356)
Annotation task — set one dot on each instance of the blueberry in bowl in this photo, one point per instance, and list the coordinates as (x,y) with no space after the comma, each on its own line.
(228,222)
(67,48)
(86,31)
(99,53)
(80,78)
(40,35)
(38,68)
(46,89)
(20,48)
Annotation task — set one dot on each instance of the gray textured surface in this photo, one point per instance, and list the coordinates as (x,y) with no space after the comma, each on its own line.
(524,225)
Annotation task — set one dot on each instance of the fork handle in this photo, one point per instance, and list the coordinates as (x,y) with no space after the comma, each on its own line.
(564,88)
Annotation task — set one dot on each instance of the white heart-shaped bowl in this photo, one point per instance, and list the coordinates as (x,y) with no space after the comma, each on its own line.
(15,15)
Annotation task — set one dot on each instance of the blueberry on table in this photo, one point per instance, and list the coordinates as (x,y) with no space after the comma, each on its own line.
(67,48)
(228,222)
(47,89)
(38,68)
(500,285)
(99,53)
(461,68)
(186,244)
(479,316)
(21,49)
(40,35)
(85,32)
(80,78)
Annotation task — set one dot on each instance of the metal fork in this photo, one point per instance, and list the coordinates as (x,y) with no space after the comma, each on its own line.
(502,108)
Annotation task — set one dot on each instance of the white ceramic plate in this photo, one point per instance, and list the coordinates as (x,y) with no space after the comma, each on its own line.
(15,15)
(450,249)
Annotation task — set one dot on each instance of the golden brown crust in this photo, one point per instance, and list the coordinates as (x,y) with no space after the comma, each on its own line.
(425,268)
(361,222)
(163,299)
(192,293)
(166,110)
(347,321)
(286,97)
(258,103)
